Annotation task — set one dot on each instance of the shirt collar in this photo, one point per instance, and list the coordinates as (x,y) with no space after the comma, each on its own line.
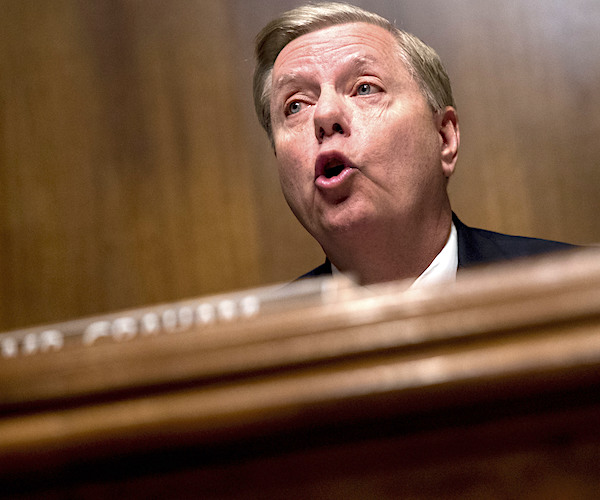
(441,270)
(444,266)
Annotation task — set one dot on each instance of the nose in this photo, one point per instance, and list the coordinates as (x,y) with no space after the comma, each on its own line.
(330,115)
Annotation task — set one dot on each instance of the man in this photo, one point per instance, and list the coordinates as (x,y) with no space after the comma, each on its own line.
(363,123)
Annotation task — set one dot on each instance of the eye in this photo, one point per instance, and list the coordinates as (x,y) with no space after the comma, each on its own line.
(293,108)
(367,89)
(364,89)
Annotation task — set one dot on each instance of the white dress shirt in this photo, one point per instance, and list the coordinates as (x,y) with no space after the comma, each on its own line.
(444,266)
(442,269)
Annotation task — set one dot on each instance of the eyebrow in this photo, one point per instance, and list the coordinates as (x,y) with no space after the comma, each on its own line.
(355,64)
(360,62)
(287,79)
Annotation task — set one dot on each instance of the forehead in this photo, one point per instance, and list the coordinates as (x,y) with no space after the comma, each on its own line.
(339,44)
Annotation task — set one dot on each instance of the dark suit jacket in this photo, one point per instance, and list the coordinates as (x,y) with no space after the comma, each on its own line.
(478,246)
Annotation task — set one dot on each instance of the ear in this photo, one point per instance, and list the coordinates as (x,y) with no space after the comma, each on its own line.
(447,123)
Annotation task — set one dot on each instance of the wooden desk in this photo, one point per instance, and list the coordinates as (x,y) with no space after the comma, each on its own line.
(486,388)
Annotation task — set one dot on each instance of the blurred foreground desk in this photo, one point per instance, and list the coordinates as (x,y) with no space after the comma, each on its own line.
(487,388)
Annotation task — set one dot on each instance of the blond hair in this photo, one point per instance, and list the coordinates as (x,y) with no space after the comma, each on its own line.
(421,60)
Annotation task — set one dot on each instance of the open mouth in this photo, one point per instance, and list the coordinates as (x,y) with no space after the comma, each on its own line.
(332,164)
(333,170)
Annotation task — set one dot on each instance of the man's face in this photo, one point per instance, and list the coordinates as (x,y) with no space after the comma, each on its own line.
(357,144)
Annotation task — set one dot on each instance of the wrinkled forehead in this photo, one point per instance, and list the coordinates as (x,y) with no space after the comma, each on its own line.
(351,43)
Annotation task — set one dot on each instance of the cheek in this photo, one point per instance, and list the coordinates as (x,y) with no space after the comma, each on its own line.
(292,169)
(293,154)
(294,184)
(407,155)
(286,177)
(415,140)
(391,144)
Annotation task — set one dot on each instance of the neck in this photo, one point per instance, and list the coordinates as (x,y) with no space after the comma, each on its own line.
(391,252)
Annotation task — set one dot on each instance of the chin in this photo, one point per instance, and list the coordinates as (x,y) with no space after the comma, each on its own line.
(347,222)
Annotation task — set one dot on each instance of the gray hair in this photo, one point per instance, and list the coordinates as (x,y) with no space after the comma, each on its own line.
(421,60)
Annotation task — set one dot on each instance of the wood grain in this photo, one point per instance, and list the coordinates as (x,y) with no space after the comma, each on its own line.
(448,391)
(133,170)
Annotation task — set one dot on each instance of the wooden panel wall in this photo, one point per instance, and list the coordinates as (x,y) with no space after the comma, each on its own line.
(125,174)
(133,170)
